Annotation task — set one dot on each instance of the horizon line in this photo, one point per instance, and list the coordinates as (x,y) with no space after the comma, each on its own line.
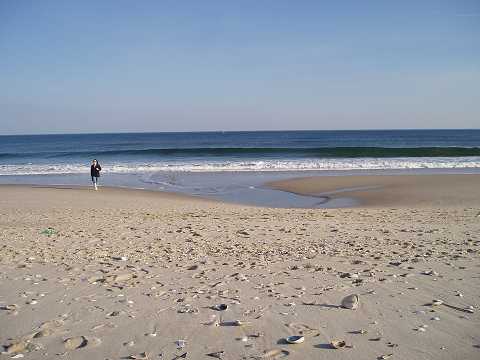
(232,131)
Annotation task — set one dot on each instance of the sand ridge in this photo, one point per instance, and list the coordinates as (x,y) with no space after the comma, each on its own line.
(426,190)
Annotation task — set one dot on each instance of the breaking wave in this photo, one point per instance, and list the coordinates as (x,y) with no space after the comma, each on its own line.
(372,163)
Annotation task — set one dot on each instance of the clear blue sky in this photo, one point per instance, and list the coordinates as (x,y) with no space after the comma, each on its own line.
(106,66)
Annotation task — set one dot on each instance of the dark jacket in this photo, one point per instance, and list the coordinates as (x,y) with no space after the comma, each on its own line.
(95,170)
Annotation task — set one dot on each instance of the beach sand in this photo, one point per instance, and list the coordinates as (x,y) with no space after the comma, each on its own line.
(391,190)
(119,274)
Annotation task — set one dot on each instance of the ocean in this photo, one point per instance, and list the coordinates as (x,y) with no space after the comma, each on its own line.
(231,165)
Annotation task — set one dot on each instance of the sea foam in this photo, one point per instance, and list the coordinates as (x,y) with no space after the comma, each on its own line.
(253,165)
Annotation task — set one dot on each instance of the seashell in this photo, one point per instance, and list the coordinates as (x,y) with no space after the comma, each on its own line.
(43,333)
(9,307)
(257,335)
(386,356)
(337,344)
(180,344)
(141,356)
(187,310)
(15,347)
(75,342)
(182,356)
(234,323)
(296,339)
(116,313)
(213,322)
(94,279)
(437,302)
(217,354)
(120,258)
(240,323)
(274,354)
(122,277)
(351,302)
(220,307)
(469,309)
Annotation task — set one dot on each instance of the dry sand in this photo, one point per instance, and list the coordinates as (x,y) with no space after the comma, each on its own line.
(134,274)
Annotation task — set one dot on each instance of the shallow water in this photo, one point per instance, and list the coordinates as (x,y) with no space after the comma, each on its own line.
(237,187)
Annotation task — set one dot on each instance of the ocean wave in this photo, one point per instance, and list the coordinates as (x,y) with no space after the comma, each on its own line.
(297,152)
(257,165)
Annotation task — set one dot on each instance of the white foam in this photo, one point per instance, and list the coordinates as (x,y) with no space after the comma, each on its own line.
(254,165)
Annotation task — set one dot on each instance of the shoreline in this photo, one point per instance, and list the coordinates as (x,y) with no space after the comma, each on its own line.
(322,192)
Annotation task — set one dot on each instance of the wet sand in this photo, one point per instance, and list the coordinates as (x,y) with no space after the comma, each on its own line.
(119,274)
(387,190)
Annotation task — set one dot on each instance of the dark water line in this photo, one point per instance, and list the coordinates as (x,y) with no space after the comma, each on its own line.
(298,152)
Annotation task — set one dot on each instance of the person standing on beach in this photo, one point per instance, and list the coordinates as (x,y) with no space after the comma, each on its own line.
(95,172)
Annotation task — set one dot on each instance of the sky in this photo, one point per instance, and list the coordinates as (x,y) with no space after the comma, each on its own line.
(115,66)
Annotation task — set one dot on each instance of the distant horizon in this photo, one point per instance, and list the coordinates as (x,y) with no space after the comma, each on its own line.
(234,131)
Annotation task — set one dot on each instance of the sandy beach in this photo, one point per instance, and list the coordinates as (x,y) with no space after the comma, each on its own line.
(276,180)
(131,274)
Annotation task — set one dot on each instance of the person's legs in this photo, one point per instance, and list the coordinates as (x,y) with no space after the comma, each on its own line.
(95,180)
